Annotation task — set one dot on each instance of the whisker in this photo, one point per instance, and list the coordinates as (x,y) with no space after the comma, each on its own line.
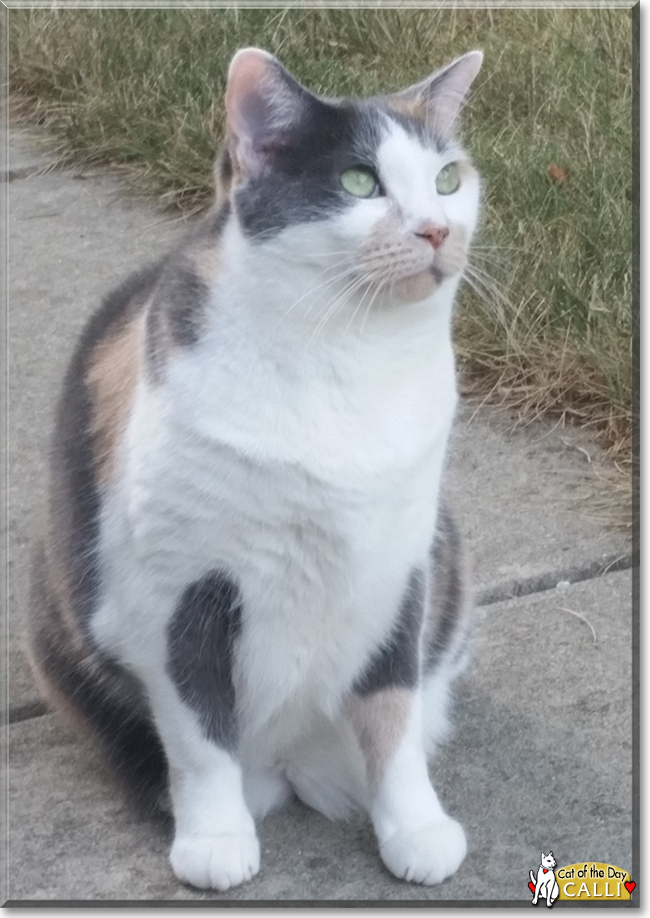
(484,296)
(490,288)
(314,289)
(383,284)
(358,306)
(336,304)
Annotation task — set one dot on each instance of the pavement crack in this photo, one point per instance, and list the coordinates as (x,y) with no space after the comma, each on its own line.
(28,711)
(539,583)
(509,589)
(12,175)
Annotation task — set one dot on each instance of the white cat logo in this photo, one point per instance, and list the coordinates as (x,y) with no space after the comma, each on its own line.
(545,885)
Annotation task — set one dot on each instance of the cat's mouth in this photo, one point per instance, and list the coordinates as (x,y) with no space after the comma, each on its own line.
(418,285)
(407,267)
(412,285)
(437,274)
(451,258)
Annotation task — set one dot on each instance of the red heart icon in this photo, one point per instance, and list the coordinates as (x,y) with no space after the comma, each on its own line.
(531,886)
(630,886)
(545,870)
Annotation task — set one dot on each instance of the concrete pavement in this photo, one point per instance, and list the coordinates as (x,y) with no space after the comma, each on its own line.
(542,753)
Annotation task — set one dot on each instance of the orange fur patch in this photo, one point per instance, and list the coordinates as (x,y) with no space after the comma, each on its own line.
(52,695)
(226,174)
(379,721)
(407,106)
(112,379)
(56,586)
(207,263)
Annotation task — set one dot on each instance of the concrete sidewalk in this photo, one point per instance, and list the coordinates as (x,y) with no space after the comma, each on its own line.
(542,754)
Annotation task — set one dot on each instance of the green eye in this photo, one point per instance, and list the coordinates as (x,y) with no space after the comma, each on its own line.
(448,179)
(359,181)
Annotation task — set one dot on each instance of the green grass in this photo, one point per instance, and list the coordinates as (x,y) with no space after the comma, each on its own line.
(545,321)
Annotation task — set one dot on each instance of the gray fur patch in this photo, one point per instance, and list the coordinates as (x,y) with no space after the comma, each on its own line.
(75,502)
(448,592)
(301,182)
(201,641)
(185,298)
(177,314)
(397,663)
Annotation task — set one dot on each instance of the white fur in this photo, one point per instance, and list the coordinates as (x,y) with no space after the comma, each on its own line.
(411,172)
(417,840)
(298,448)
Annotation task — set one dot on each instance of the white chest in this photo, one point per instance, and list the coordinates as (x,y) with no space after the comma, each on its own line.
(314,488)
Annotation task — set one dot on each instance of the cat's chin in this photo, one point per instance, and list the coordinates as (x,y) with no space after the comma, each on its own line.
(417,286)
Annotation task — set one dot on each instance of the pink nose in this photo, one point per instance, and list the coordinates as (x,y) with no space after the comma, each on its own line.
(435,235)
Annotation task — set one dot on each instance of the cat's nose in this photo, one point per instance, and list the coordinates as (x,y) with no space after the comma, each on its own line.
(434,234)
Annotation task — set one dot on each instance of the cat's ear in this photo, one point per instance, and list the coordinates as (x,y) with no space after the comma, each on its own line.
(440,98)
(263,103)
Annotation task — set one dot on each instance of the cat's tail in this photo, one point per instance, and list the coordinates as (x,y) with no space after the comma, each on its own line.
(533,878)
(93,693)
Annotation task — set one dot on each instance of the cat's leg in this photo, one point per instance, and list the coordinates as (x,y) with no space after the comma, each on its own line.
(215,844)
(187,669)
(550,898)
(417,840)
(554,892)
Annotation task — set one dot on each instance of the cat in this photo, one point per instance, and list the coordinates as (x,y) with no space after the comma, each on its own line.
(248,588)
(545,884)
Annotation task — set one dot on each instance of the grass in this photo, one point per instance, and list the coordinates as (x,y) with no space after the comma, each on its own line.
(545,321)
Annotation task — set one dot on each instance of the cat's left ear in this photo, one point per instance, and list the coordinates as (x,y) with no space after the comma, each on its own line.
(264,104)
(439,99)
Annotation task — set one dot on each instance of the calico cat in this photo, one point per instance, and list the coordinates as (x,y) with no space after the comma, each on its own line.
(248,588)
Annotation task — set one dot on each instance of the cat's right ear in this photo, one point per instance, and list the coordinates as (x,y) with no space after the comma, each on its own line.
(440,98)
(263,104)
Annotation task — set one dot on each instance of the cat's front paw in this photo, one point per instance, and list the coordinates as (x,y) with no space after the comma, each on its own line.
(426,855)
(216,861)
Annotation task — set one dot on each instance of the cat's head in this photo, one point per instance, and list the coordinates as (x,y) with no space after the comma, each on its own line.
(548,860)
(378,190)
